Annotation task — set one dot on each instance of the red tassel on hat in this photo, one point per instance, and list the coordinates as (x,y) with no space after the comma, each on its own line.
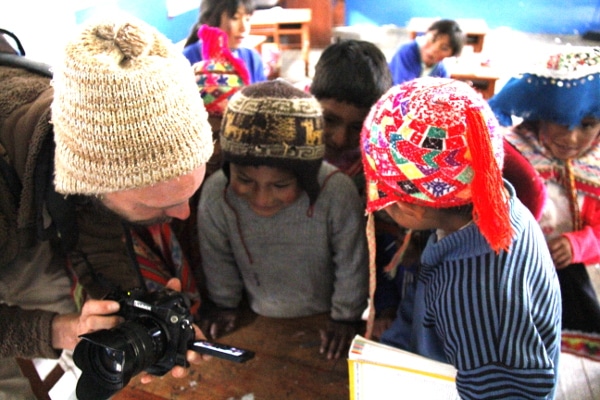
(490,202)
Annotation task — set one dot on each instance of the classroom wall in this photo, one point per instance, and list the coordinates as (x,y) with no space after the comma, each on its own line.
(43,26)
(535,16)
(154,12)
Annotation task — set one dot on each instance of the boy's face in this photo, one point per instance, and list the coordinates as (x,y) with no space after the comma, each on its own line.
(343,123)
(436,48)
(236,27)
(411,216)
(567,144)
(267,190)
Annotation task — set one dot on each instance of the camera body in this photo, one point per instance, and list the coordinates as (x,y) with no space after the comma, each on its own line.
(154,338)
(170,310)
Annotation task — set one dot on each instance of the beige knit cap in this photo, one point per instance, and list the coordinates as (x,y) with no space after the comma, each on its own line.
(126,110)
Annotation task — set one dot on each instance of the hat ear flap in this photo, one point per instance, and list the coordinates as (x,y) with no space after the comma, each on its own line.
(490,203)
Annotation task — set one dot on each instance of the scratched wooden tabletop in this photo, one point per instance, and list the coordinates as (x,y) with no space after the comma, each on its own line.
(287,365)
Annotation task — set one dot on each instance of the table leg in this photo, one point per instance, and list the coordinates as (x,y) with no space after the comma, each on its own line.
(306,47)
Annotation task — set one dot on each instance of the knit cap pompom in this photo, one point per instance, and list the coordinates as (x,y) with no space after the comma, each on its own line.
(125,42)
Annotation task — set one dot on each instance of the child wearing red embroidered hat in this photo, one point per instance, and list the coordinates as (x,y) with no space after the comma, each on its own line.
(486,299)
(559,102)
(233,17)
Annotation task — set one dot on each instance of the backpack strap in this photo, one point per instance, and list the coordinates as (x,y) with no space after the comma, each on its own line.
(61,208)
(11,178)
(13,60)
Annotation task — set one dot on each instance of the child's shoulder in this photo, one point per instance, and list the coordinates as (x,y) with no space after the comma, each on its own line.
(337,185)
(330,173)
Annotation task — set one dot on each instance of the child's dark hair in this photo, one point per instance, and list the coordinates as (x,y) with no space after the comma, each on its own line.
(351,71)
(452,29)
(211,11)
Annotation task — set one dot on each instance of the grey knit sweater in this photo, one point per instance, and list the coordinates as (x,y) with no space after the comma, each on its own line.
(295,263)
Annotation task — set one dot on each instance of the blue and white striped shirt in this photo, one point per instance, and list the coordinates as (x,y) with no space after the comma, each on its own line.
(495,317)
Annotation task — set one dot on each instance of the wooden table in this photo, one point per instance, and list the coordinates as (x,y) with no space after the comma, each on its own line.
(277,22)
(475,29)
(481,78)
(287,365)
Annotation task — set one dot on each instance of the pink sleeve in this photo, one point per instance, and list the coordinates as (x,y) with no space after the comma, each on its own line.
(586,242)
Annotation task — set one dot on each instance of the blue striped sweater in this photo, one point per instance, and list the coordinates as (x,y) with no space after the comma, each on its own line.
(495,317)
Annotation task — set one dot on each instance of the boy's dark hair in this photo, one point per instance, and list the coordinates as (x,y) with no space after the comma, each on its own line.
(211,11)
(351,71)
(452,29)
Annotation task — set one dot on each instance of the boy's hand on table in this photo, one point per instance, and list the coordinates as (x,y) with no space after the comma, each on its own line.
(337,337)
(216,321)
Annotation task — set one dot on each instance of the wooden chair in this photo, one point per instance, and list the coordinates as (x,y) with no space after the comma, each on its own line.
(40,387)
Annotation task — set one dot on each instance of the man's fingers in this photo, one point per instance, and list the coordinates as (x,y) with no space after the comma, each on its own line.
(174,284)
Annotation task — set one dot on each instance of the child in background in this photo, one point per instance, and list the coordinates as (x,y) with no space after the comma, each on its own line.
(487,298)
(350,76)
(232,17)
(218,75)
(280,225)
(424,56)
(560,134)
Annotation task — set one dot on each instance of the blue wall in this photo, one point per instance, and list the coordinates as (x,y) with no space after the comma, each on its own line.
(536,16)
(565,17)
(153,12)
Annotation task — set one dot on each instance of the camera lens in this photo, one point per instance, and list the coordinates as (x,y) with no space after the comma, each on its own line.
(110,358)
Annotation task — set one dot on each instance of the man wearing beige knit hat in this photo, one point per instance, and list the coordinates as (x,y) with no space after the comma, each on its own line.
(91,165)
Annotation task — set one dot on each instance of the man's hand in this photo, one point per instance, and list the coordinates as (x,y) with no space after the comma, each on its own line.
(95,315)
(337,337)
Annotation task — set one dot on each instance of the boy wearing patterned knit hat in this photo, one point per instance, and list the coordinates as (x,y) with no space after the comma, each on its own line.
(559,102)
(278,223)
(118,139)
(486,299)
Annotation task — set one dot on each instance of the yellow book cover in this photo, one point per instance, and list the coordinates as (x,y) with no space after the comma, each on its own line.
(378,371)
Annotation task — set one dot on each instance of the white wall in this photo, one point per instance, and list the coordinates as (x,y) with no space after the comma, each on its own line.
(41,25)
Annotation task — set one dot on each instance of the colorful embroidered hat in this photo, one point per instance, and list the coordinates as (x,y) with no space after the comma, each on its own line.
(434,142)
(276,124)
(564,89)
(220,74)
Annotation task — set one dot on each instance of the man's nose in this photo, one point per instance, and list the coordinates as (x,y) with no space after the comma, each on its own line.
(181,211)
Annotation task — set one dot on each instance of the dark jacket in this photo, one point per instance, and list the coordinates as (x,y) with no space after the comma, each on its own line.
(98,248)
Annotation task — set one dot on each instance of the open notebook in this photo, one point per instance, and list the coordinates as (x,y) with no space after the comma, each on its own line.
(378,371)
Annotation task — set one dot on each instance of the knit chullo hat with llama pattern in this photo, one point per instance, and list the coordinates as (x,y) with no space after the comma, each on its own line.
(275,124)
(126,110)
(435,142)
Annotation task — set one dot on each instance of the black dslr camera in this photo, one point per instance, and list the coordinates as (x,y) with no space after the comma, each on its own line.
(154,338)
